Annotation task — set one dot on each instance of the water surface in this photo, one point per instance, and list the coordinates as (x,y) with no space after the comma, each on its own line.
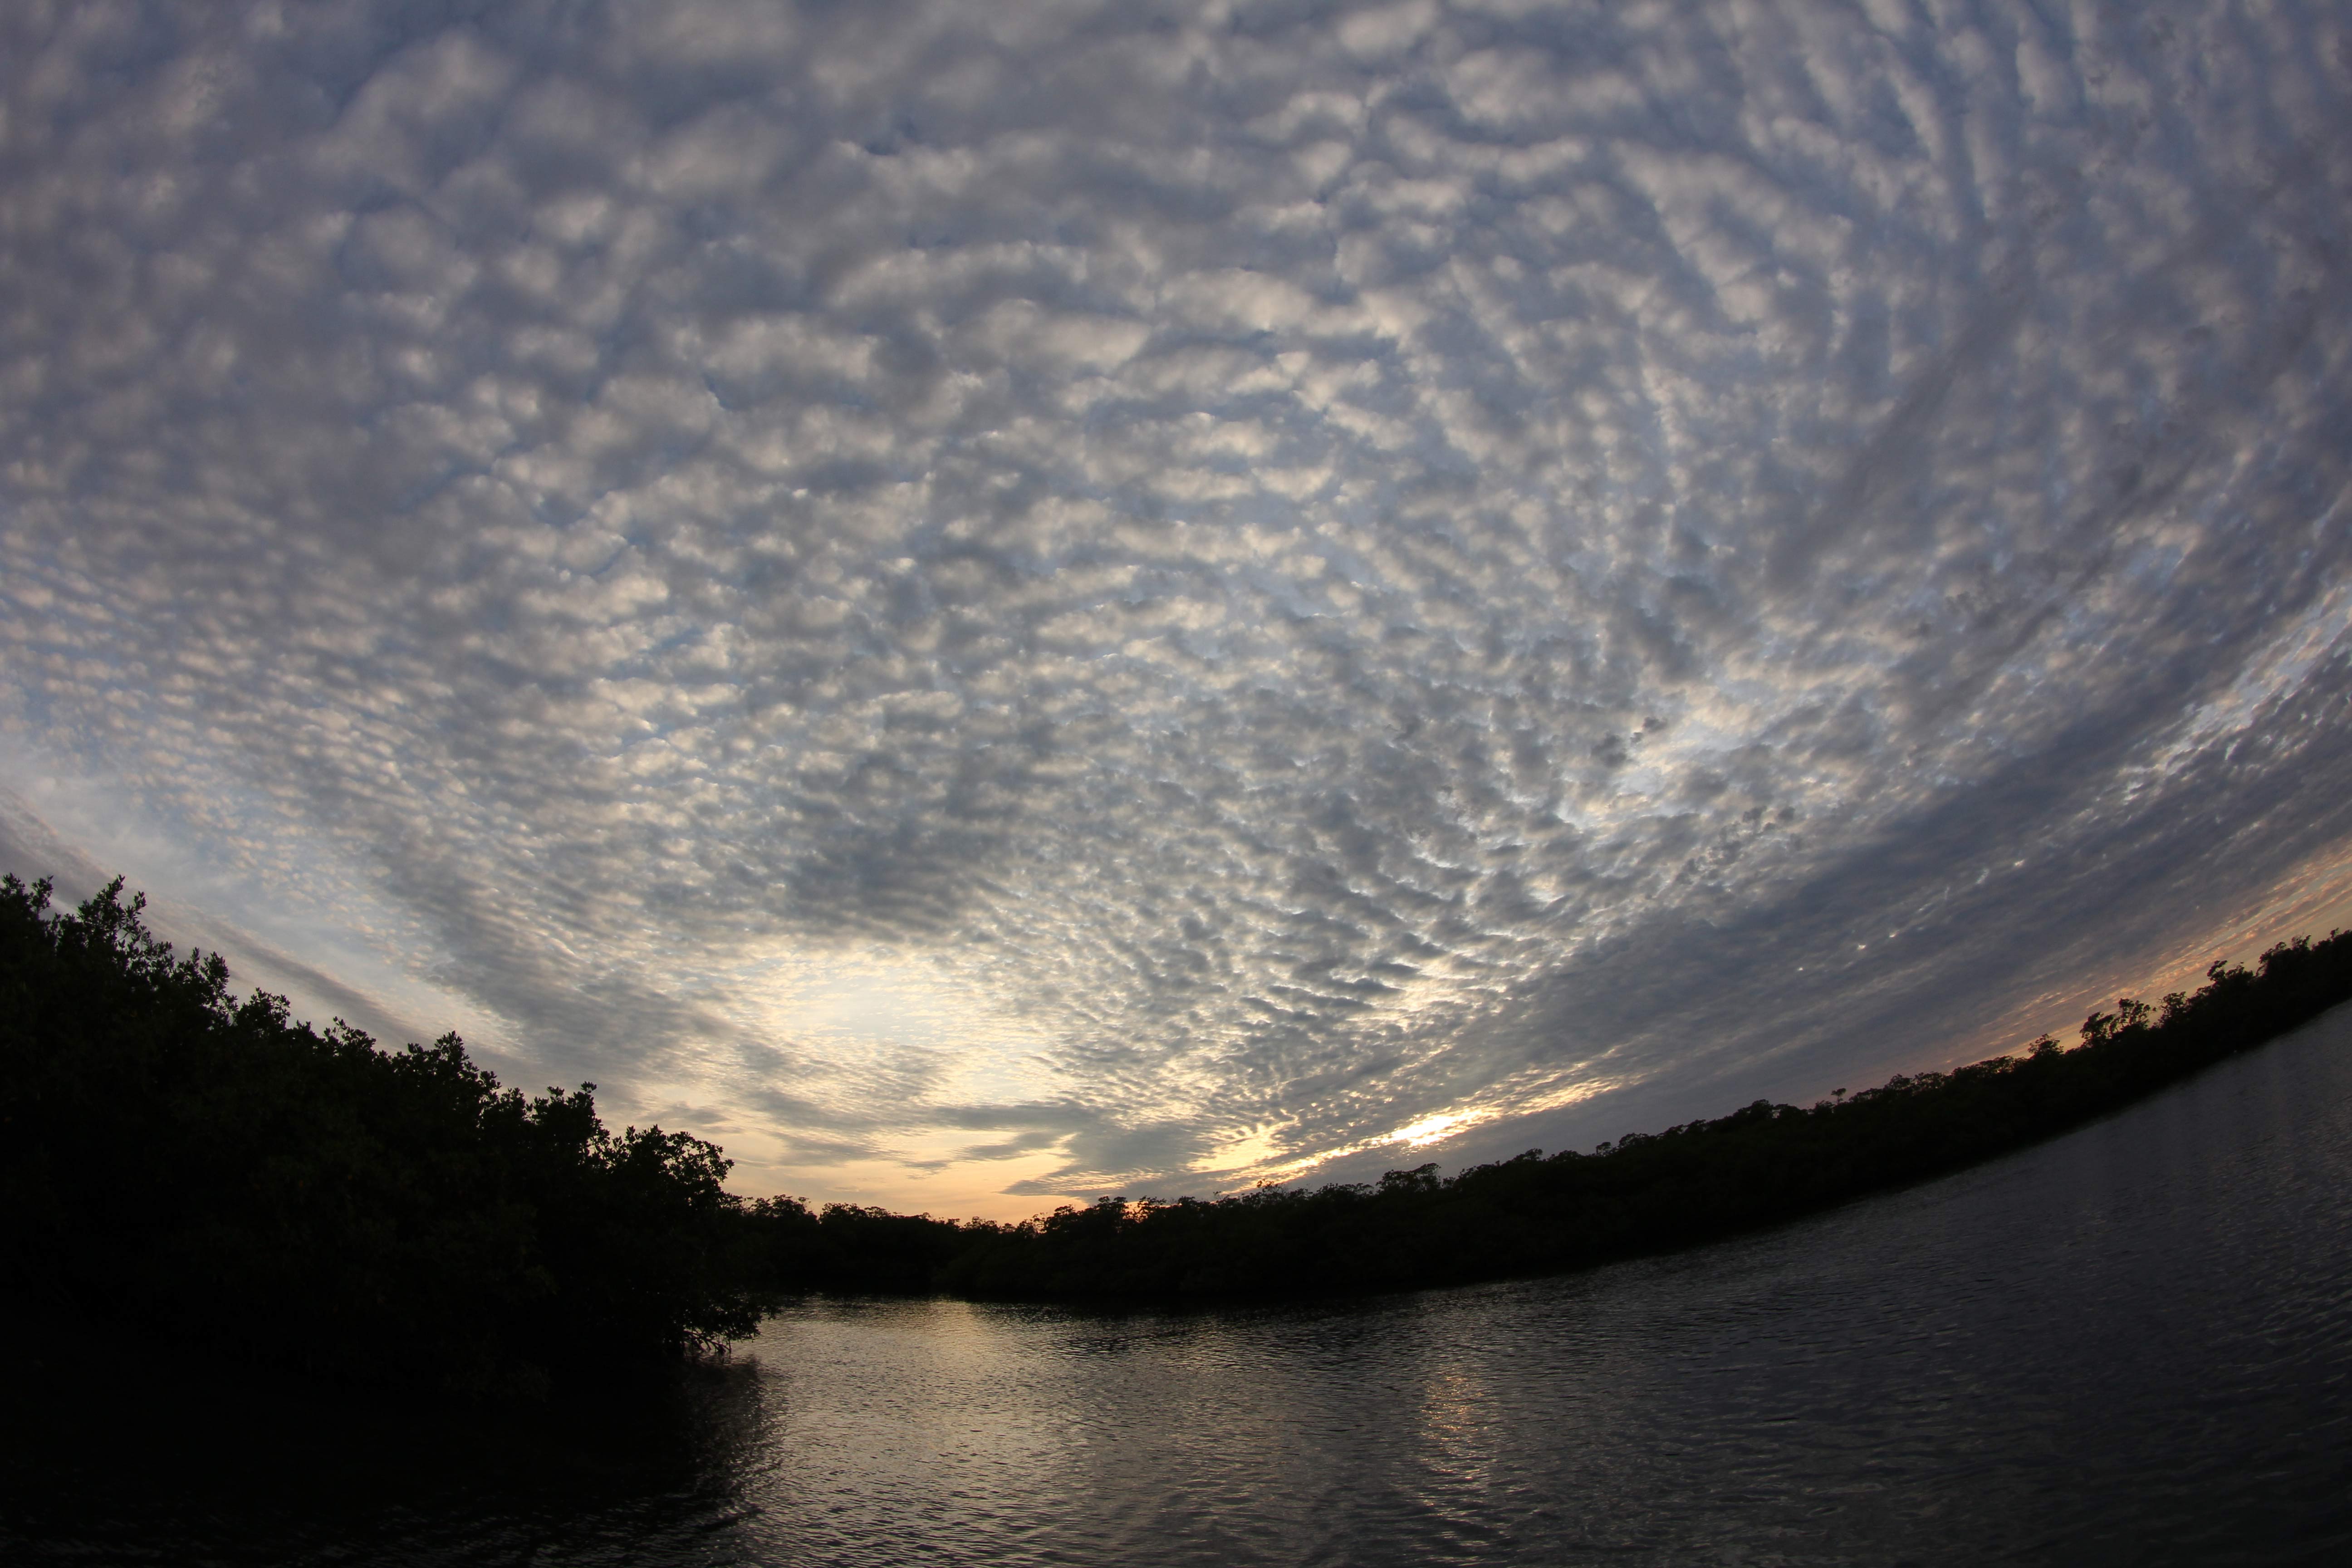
(2130,1345)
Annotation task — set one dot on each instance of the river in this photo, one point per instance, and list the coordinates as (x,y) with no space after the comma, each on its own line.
(2130,1345)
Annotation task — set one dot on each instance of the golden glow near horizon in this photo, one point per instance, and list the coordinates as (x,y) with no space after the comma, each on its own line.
(1203,597)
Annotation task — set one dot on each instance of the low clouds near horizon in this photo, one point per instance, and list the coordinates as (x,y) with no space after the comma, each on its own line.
(983,602)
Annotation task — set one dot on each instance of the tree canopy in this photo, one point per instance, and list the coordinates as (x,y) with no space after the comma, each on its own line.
(178,1157)
(174,1156)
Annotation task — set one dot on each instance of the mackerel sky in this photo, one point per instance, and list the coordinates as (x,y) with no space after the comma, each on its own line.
(993,602)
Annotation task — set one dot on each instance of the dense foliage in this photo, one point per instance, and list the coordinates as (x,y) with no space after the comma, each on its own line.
(172,1157)
(1646,1192)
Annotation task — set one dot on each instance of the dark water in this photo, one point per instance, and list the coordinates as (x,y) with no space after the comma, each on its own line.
(2133,1345)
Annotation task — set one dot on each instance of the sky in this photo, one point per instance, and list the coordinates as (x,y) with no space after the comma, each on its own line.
(992,604)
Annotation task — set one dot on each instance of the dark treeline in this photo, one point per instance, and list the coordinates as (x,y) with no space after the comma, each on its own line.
(1534,1214)
(210,1169)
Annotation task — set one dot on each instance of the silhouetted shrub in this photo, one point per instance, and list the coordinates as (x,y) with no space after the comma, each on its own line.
(170,1155)
(175,1158)
(1646,1192)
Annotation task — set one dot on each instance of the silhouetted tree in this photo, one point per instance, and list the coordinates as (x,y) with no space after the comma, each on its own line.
(179,1158)
(170,1154)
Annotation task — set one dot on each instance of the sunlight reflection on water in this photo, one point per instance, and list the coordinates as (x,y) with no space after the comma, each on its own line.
(2133,1344)
(2135,1340)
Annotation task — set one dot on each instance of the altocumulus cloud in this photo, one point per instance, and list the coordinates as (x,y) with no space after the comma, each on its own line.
(989,600)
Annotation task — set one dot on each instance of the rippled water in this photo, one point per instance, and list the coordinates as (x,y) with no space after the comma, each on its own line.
(2131,1346)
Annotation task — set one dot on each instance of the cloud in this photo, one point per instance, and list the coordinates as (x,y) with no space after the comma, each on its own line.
(1246,575)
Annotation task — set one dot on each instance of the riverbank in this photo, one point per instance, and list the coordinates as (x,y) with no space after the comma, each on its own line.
(252,1188)
(2123,1345)
(1761,1165)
